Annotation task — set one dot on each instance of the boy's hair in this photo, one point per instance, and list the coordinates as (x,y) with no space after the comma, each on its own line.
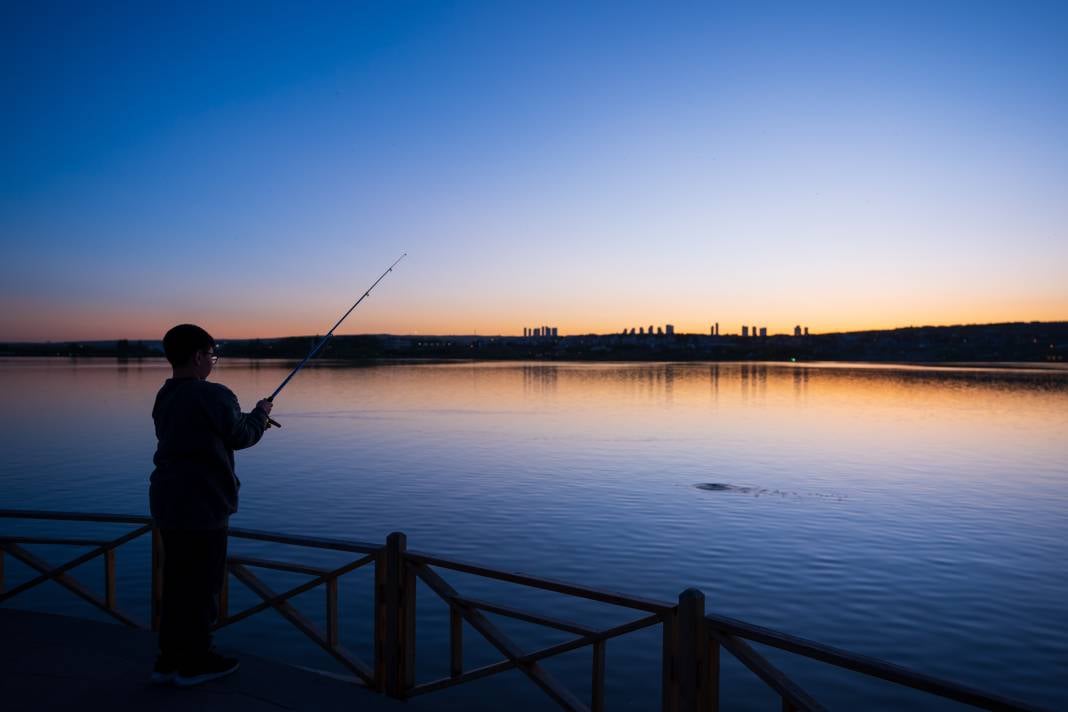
(183,341)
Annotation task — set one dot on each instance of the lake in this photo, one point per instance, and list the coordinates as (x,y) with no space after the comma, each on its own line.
(919,515)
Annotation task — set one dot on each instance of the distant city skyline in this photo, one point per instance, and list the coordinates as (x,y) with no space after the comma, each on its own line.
(845,167)
(744,331)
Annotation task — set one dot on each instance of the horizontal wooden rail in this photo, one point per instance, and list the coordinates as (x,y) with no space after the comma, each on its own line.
(291,539)
(75,516)
(278,565)
(541,677)
(107,604)
(599,636)
(365,673)
(867,665)
(535,656)
(357,547)
(73,563)
(444,683)
(296,591)
(510,612)
(570,589)
(52,540)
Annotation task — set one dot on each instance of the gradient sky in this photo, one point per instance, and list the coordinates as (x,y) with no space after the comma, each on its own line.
(584,165)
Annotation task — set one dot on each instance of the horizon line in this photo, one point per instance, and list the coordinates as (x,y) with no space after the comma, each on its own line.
(520,336)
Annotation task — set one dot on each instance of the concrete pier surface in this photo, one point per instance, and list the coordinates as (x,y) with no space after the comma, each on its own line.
(57,662)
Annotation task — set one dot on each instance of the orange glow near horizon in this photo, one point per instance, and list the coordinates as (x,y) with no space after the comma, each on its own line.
(85,323)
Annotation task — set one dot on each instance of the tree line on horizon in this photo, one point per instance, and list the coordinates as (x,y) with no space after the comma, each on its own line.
(1021,341)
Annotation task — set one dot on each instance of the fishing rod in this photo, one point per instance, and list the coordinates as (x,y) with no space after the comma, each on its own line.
(330,333)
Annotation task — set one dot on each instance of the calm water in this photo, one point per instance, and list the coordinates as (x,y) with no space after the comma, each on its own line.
(919,515)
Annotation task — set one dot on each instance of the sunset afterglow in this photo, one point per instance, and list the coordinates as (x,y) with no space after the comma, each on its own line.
(590,167)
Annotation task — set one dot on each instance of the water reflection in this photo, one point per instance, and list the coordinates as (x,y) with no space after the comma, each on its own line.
(896,511)
(539,379)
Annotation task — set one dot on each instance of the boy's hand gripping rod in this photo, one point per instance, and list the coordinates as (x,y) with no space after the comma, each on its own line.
(323,341)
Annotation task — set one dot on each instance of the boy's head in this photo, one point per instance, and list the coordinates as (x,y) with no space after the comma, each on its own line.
(187,346)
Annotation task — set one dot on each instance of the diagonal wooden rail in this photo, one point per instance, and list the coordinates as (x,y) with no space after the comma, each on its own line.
(328,642)
(105,549)
(541,677)
(691,646)
(275,599)
(107,604)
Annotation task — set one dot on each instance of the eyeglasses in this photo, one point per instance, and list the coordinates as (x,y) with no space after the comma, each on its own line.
(213,356)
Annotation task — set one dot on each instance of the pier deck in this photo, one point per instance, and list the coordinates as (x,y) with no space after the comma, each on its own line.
(58,662)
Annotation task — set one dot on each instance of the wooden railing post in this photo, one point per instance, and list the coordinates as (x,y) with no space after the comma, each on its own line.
(332,637)
(713,673)
(394,618)
(669,687)
(380,620)
(157,576)
(597,682)
(692,667)
(456,642)
(109,578)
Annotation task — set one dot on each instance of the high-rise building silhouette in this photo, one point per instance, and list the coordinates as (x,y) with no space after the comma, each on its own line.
(670,329)
(745,331)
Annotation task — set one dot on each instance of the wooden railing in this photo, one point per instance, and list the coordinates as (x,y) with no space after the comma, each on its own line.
(329,640)
(691,640)
(421,565)
(101,548)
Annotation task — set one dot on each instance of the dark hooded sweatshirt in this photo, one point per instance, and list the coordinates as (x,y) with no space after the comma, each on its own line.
(198,426)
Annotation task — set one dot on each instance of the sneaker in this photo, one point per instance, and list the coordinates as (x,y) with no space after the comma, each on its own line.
(210,666)
(164,671)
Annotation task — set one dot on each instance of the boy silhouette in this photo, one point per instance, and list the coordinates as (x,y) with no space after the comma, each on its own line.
(192,494)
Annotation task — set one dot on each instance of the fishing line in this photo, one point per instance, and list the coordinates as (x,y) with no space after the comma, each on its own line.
(323,341)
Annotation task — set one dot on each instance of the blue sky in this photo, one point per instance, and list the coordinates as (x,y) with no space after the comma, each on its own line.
(587,165)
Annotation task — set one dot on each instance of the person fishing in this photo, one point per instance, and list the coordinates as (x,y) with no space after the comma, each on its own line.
(192,494)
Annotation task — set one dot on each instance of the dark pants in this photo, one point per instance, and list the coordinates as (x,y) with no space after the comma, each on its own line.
(194,563)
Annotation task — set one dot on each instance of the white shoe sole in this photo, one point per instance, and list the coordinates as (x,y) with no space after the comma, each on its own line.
(190,681)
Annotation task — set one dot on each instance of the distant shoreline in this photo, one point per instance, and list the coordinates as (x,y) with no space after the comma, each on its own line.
(1014,343)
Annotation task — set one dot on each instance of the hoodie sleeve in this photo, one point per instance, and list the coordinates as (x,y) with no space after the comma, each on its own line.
(238,430)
